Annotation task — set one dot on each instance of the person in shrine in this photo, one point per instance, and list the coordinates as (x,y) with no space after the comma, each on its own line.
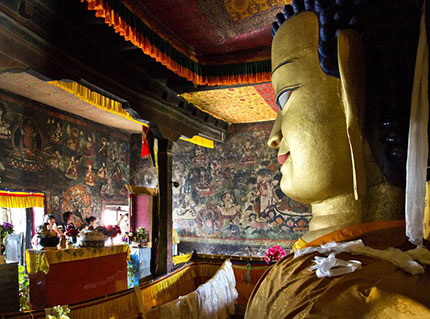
(91,222)
(327,161)
(52,225)
(68,218)
(123,223)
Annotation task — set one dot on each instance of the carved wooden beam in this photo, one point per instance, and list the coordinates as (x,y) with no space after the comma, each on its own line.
(72,53)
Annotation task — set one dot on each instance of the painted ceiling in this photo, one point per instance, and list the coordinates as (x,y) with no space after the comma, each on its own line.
(208,42)
(35,89)
(246,104)
(214,31)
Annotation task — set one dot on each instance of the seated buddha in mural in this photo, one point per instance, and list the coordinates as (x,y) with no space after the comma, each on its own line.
(327,159)
(28,143)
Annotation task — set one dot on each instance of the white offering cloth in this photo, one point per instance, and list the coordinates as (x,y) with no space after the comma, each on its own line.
(331,266)
(416,164)
(211,300)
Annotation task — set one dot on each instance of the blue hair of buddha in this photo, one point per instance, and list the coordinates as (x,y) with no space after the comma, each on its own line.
(333,16)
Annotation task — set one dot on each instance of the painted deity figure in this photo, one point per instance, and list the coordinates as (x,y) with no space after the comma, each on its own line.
(103,150)
(56,161)
(185,209)
(57,134)
(113,152)
(102,171)
(88,148)
(248,153)
(90,178)
(4,126)
(106,189)
(27,143)
(326,161)
(200,155)
(72,170)
(203,183)
(117,174)
(265,193)
(229,208)
(73,141)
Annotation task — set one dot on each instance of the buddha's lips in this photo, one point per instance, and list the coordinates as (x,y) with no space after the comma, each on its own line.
(282,158)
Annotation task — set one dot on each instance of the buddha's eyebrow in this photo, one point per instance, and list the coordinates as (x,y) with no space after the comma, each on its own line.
(283,63)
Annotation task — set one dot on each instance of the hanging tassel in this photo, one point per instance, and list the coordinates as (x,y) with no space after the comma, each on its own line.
(248,273)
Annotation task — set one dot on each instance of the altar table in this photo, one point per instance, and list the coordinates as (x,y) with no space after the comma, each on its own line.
(66,276)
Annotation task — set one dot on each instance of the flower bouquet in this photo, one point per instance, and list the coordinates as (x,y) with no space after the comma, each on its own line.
(110,231)
(113,230)
(72,233)
(274,254)
(58,312)
(5,229)
(139,237)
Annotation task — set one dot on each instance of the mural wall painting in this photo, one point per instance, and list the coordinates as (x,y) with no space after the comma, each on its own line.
(142,169)
(77,163)
(229,200)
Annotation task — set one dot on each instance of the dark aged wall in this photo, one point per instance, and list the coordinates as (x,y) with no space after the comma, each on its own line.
(229,200)
(78,164)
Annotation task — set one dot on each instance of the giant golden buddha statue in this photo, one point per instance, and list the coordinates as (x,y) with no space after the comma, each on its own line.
(319,77)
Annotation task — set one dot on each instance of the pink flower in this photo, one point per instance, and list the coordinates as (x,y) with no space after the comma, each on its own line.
(274,254)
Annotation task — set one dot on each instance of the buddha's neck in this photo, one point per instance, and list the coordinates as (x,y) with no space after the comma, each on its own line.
(333,214)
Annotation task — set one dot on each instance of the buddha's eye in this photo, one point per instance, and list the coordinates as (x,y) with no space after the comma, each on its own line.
(283,98)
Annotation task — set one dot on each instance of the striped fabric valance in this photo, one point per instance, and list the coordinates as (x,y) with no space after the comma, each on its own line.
(21,199)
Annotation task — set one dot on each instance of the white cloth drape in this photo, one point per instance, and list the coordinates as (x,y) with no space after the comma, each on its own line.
(212,300)
(416,165)
(411,261)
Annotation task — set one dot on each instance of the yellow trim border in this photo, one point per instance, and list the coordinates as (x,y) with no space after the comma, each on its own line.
(114,107)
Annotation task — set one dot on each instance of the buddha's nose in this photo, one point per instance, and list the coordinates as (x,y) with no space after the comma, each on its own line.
(275,140)
(276,134)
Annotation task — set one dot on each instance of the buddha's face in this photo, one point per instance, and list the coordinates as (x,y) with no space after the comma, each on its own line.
(310,130)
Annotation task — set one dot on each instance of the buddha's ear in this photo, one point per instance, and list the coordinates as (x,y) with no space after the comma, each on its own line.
(352,81)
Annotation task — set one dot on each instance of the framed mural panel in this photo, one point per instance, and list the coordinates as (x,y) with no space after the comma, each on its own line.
(77,163)
(229,200)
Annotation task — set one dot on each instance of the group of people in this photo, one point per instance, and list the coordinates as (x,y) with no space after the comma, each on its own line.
(68,218)
(59,230)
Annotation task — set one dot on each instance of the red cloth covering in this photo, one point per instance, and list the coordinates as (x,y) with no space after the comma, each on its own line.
(80,280)
(145,147)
